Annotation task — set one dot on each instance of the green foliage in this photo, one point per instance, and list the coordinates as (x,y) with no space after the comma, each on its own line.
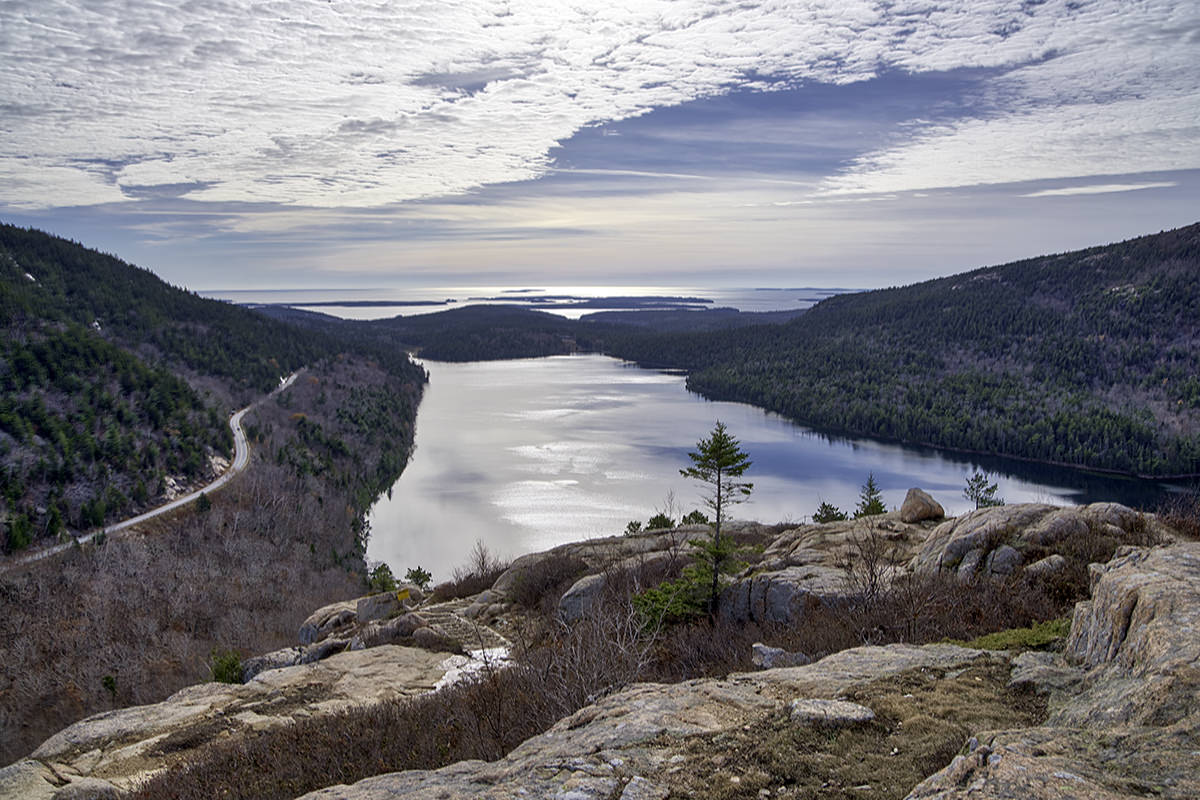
(719,462)
(90,390)
(827,512)
(203,504)
(632,527)
(980,492)
(681,600)
(1057,359)
(20,533)
(380,579)
(419,576)
(696,517)
(870,499)
(225,666)
(109,683)
(1049,634)
(659,521)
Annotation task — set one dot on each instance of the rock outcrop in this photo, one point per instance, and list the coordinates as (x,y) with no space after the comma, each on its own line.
(1121,704)
(999,540)
(116,749)
(1125,696)
(624,745)
(802,568)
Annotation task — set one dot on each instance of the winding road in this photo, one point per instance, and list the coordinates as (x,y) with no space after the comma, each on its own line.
(241,458)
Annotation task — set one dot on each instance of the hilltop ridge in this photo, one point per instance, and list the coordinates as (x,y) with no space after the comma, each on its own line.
(878,721)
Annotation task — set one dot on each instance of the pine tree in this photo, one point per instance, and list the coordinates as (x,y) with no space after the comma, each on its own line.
(982,493)
(870,500)
(719,462)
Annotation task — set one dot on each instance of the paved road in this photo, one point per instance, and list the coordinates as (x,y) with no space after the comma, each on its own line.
(241,457)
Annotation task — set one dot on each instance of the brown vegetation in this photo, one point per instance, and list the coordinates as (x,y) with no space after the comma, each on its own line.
(132,619)
(480,572)
(1182,512)
(922,719)
(559,669)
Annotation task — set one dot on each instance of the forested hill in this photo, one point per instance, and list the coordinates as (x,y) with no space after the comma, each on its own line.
(46,279)
(1089,358)
(114,385)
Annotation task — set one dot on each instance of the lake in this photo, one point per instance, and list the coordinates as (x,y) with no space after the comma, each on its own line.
(524,455)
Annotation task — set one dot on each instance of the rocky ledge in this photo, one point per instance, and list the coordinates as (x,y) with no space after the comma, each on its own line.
(1116,714)
(1124,715)
(108,752)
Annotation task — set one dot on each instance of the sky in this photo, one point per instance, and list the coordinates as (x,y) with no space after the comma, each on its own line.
(255,144)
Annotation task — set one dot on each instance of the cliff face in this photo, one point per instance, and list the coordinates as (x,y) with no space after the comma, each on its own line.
(1116,714)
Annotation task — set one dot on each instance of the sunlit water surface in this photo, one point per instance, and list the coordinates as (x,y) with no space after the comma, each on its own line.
(524,455)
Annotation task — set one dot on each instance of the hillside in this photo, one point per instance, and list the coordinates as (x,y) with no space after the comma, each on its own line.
(1088,358)
(115,387)
(827,673)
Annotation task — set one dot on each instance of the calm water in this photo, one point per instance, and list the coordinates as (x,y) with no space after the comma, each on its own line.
(524,455)
(408,300)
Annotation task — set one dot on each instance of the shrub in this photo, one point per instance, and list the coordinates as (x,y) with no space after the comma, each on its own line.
(225,666)
(827,512)
(633,527)
(681,600)
(660,521)
(1182,513)
(696,517)
(542,585)
(1049,634)
(380,579)
(418,576)
(480,572)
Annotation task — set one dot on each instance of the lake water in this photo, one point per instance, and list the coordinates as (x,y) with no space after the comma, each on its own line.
(524,455)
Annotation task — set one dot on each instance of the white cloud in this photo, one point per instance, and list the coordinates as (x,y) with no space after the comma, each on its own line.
(362,103)
(1100,188)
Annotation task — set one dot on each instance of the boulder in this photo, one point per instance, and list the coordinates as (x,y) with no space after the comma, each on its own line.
(28,780)
(390,631)
(784,595)
(323,649)
(482,602)
(327,619)
(983,529)
(835,713)
(767,657)
(1057,526)
(578,600)
(429,639)
(919,506)
(1045,567)
(1004,560)
(88,789)
(285,657)
(377,606)
(969,564)
(996,540)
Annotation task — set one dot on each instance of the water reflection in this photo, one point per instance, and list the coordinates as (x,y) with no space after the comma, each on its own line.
(528,454)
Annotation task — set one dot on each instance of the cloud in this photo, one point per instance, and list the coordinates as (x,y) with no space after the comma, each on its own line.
(1101,188)
(362,104)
